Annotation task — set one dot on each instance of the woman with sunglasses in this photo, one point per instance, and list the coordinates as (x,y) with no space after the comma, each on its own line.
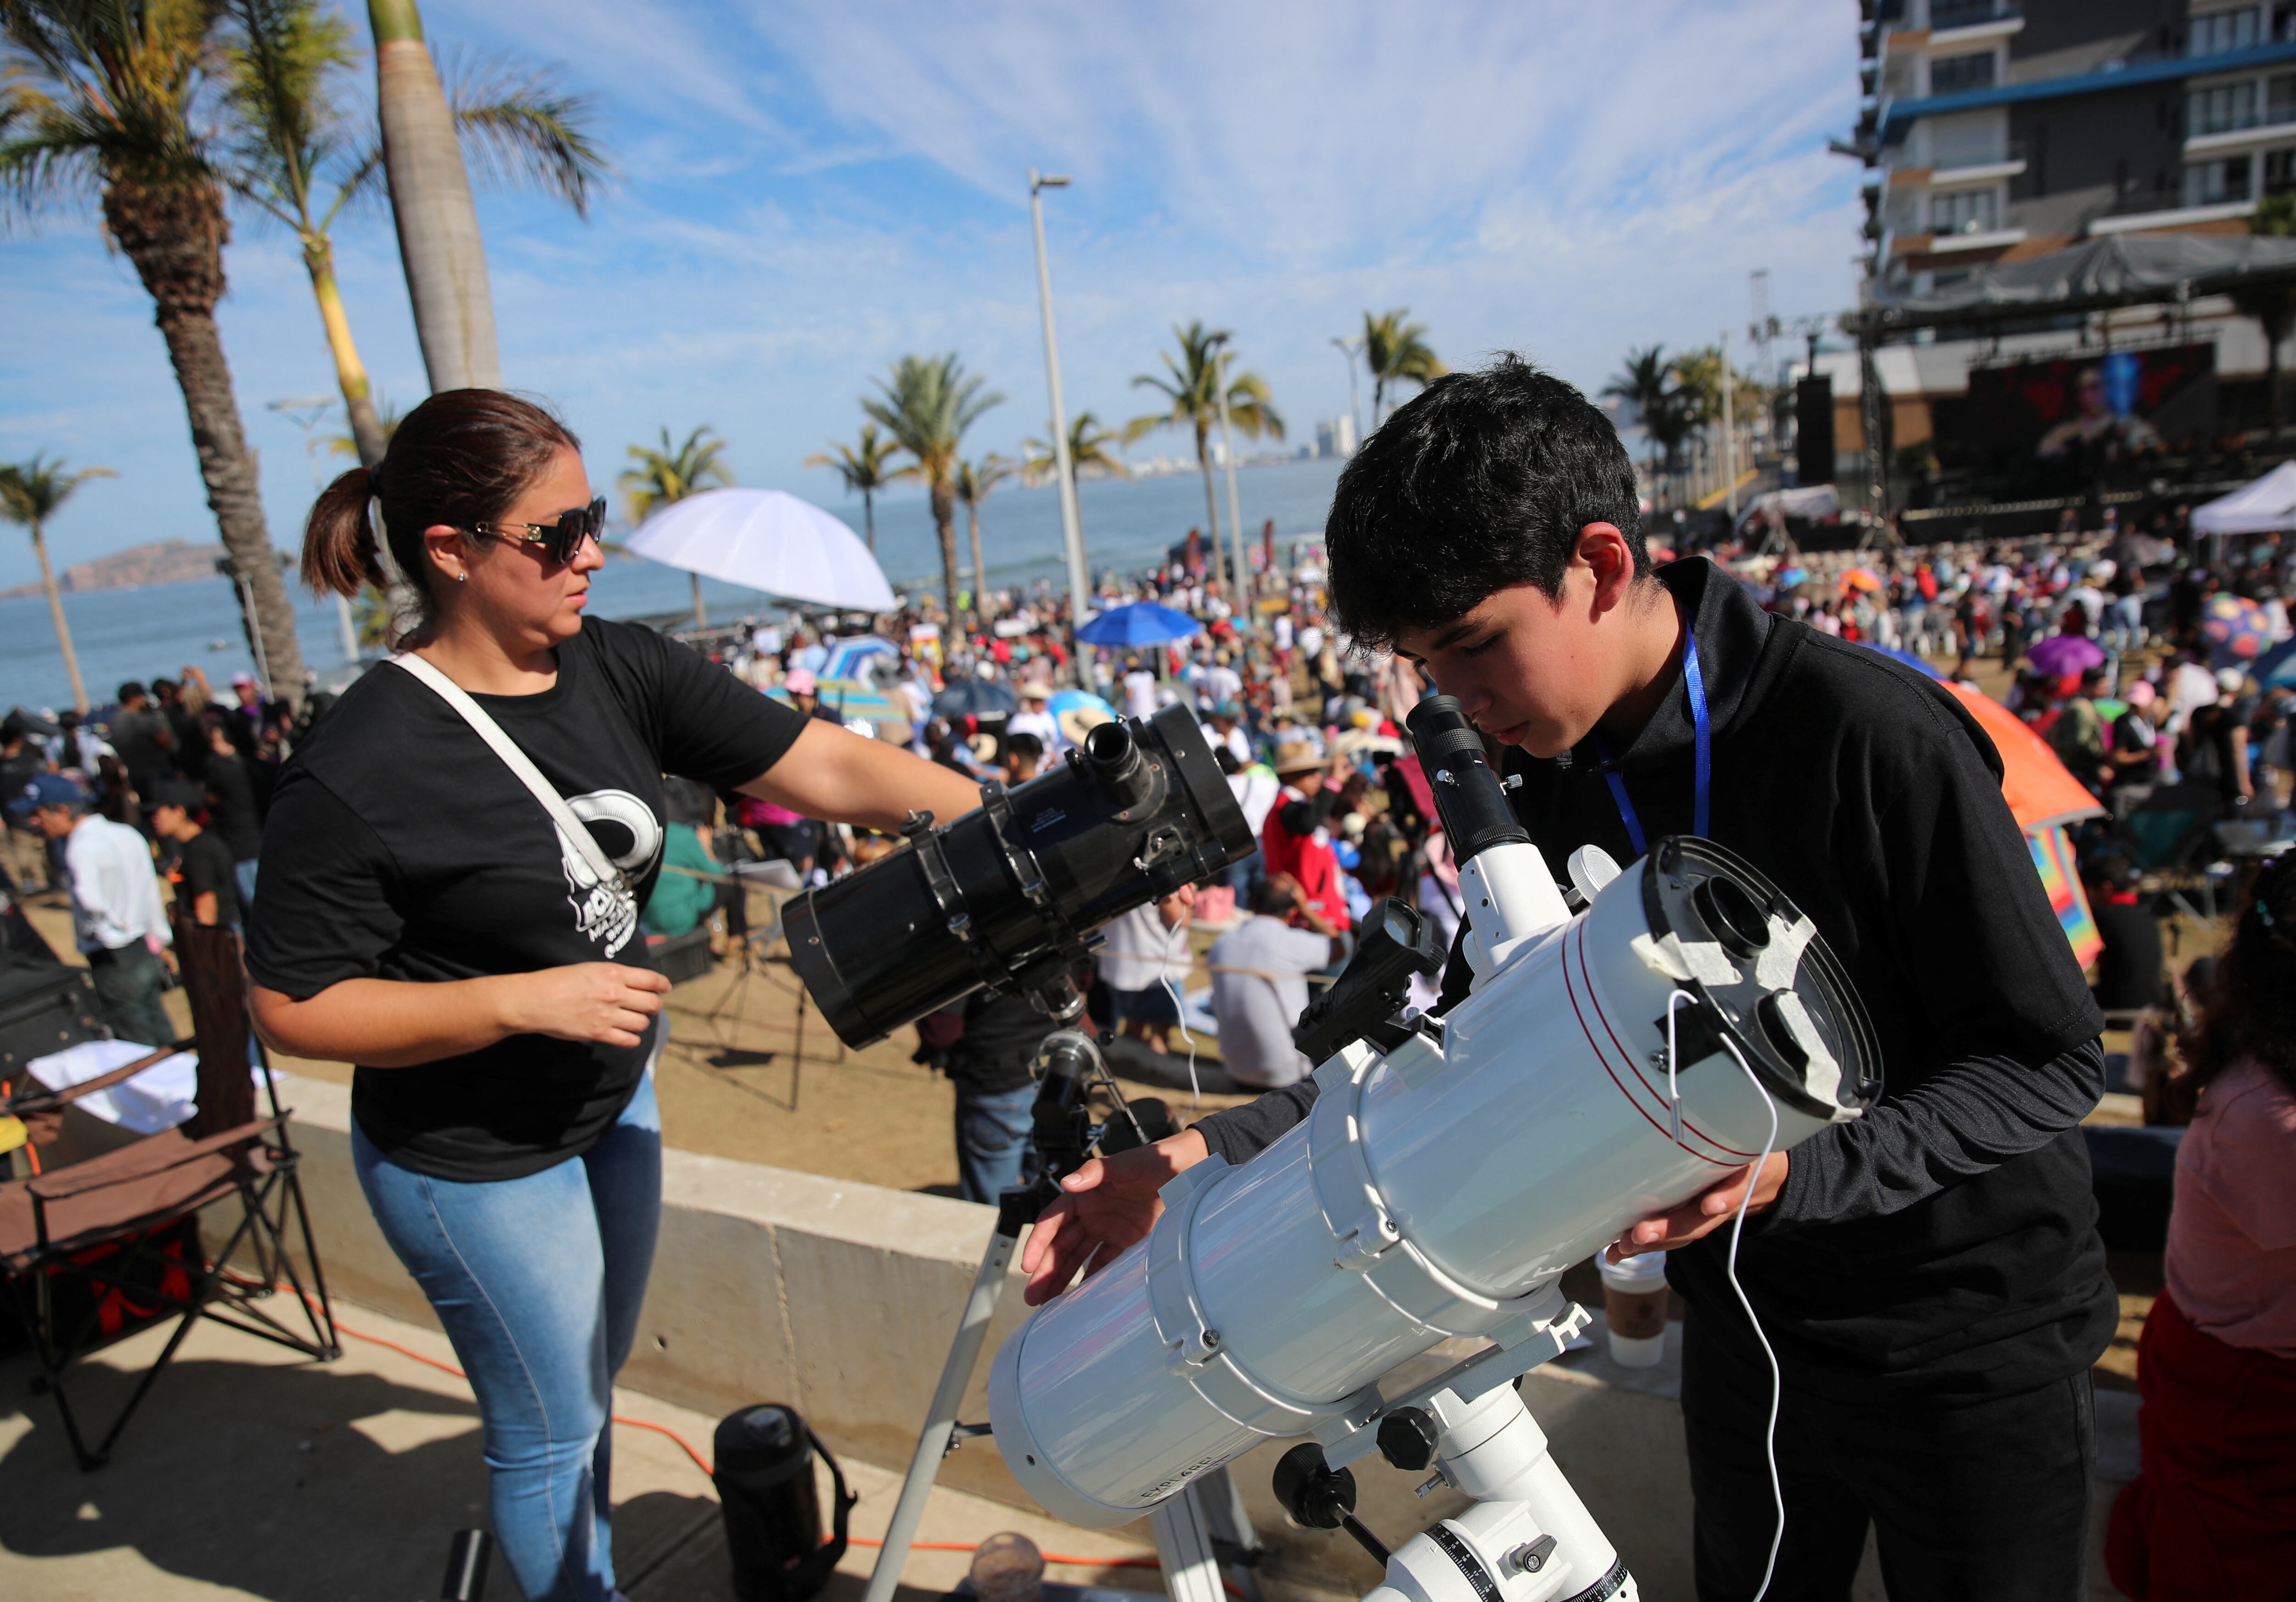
(425,918)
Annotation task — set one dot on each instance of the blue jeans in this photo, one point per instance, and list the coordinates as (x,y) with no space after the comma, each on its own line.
(539,1282)
(992,1137)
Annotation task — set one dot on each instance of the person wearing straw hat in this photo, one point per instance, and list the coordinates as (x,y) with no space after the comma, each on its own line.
(1032,718)
(1296,839)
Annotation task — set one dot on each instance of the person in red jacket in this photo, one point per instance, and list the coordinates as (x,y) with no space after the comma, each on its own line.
(1296,840)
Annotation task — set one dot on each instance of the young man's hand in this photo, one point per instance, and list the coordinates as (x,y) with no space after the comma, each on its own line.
(1108,1204)
(1707,1212)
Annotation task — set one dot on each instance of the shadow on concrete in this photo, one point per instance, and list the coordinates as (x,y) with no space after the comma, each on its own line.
(292,1481)
(672,1549)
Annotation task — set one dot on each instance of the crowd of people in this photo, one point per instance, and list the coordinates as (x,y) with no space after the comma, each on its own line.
(2136,657)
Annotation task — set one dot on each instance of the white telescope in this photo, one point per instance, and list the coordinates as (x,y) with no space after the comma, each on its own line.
(1607,1065)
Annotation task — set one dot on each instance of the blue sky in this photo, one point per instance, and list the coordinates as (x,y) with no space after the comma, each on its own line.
(809,189)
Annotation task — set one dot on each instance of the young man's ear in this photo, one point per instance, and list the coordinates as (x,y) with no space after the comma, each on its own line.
(1610,562)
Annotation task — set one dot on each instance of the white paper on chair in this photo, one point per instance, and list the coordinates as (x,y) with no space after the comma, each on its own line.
(159,1098)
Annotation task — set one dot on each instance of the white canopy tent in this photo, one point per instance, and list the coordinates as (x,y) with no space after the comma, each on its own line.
(764,540)
(2265,507)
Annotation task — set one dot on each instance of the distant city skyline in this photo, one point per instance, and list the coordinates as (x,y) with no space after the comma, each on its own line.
(810,192)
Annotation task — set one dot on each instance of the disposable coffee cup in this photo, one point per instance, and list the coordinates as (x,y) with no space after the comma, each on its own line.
(1634,1303)
(1008,1568)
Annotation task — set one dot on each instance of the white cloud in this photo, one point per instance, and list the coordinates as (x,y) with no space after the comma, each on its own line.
(813,188)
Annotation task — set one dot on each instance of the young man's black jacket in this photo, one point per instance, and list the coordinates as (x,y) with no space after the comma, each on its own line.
(1945,1244)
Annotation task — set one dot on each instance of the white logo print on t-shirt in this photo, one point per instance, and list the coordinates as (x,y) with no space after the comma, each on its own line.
(601,910)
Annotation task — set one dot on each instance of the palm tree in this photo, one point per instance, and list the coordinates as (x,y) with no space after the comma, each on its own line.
(973,483)
(866,468)
(101,98)
(659,477)
(31,493)
(1192,385)
(926,404)
(438,241)
(1672,398)
(299,159)
(1396,351)
(1088,444)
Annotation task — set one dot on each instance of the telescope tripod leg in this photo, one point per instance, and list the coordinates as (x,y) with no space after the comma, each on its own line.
(940,1419)
(1190,1527)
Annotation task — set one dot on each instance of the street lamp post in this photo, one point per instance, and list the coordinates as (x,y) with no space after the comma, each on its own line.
(1729,438)
(1347,350)
(1072,524)
(1238,595)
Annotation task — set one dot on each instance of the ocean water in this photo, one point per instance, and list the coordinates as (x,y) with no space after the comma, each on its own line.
(142,634)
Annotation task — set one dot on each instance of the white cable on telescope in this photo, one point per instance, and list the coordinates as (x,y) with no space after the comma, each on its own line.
(1674,1059)
(1180,1008)
(1777,1384)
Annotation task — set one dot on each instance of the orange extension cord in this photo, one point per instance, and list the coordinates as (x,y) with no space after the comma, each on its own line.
(702,1464)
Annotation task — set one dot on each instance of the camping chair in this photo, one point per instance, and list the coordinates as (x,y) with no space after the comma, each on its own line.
(99,1250)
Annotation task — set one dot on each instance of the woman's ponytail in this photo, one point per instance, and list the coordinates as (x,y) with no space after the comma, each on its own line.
(338,549)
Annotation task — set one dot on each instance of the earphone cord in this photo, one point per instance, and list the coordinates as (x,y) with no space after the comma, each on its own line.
(1777,1384)
(1180,1008)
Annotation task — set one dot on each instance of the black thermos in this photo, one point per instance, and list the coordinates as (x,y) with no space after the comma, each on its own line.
(773,1511)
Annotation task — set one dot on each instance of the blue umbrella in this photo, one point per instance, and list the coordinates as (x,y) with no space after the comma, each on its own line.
(2276,666)
(1907,657)
(975,697)
(1142,623)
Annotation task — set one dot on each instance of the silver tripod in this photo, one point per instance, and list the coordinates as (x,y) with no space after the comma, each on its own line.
(1204,1537)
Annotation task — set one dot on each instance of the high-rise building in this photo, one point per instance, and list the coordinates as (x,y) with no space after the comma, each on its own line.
(1997,131)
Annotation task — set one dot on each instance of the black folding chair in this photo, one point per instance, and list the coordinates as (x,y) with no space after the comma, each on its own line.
(102,1250)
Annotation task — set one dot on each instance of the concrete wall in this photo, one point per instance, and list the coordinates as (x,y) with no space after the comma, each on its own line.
(769,1286)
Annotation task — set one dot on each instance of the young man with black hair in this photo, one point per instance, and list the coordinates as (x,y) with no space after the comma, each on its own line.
(1929,1275)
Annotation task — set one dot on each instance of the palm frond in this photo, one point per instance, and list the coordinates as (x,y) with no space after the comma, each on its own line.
(523,128)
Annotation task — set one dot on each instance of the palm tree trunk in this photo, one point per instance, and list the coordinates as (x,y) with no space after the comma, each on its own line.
(63,630)
(439,240)
(176,238)
(980,569)
(944,512)
(869,518)
(350,373)
(1211,501)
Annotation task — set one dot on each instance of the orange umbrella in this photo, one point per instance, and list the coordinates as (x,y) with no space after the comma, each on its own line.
(1862,578)
(2040,791)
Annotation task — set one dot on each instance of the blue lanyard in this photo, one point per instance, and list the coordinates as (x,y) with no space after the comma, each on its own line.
(1695,682)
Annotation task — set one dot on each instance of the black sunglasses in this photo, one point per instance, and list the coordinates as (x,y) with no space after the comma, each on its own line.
(561,539)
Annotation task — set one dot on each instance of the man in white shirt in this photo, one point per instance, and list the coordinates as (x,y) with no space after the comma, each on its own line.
(1146,965)
(1139,689)
(1032,718)
(1259,987)
(116,918)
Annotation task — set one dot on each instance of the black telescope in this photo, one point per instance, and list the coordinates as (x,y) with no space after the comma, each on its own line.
(1008,894)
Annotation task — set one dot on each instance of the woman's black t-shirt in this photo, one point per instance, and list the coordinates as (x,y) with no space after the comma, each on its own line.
(400,847)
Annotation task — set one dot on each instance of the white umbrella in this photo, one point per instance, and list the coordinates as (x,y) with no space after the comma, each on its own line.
(2261,507)
(764,540)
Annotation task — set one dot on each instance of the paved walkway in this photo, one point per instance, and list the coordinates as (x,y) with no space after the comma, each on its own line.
(253,1472)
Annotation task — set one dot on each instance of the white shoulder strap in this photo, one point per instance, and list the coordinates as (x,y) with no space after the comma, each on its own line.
(577,834)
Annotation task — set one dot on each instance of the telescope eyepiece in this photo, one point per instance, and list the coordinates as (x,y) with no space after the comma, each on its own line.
(1468,794)
(1114,758)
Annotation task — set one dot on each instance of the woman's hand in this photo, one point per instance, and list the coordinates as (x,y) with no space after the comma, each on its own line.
(1108,1204)
(607,1002)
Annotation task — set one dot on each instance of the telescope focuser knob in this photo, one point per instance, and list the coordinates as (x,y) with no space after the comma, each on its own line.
(1311,1490)
(1406,1438)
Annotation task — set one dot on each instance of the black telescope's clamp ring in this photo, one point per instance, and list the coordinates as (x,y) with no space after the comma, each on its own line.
(925,840)
(1065,949)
